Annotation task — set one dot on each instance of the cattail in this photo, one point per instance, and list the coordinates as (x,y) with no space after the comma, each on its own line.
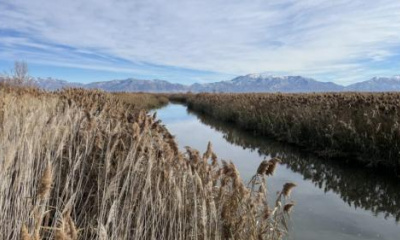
(45,182)
(288,207)
(287,189)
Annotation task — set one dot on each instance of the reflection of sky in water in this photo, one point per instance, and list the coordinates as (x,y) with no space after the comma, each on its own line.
(317,215)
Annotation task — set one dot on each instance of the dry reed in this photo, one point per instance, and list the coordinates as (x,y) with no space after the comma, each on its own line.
(78,164)
(359,126)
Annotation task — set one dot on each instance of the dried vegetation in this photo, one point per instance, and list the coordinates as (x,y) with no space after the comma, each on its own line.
(78,164)
(360,126)
(142,100)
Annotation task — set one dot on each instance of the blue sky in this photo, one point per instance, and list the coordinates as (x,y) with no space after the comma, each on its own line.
(190,41)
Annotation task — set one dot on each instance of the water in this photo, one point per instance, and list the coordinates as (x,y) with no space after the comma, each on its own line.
(333,202)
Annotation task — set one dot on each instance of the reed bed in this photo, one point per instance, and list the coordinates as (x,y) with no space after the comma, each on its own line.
(359,126)
(143,100)
(78,164)
(359,187)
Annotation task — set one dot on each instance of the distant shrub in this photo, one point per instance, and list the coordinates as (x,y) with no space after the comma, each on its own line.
(19,75)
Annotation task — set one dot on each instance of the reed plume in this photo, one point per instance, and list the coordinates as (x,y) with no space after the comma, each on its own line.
(263,167)
(91,161)
(24,233)
(271,166)
(358,126)
(45,182)
(288,207)
(287,189)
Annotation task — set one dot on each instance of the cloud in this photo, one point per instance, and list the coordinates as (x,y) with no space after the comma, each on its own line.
(347,39)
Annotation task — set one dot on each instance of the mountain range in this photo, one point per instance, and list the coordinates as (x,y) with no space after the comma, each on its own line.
(247,83)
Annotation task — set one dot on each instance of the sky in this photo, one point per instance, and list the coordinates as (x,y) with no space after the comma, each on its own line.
(187,41)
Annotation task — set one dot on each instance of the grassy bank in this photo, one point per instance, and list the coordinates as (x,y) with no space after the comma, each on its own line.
(360,126)
(359,187)
(145,101)
(78,164)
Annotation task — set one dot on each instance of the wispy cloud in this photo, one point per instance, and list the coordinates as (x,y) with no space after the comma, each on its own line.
(342,41)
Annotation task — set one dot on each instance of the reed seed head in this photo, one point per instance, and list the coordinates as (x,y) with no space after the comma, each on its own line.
(263,167)
(288,207)
(45,182)
(287,189)
(24,233)
(272,164)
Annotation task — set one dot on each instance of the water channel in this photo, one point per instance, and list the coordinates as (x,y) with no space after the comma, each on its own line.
(333,200)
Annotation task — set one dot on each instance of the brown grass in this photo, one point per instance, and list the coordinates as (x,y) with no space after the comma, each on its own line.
(142,100)
(358,187)
(359,126)
(79,164)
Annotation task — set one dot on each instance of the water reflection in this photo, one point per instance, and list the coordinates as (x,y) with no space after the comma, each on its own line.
(360,188)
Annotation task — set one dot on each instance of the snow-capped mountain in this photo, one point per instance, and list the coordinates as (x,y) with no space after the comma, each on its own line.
(377,84)
(268,83)
(52,84)
(126,85)
(137,85)
(247,83)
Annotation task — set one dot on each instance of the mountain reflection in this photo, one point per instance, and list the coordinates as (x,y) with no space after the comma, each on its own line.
(361,188)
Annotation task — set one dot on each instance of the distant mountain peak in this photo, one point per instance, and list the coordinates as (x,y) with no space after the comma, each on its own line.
(54,84)
(259,75)
(255,82)
(377,84)
(266,76)
(394,77)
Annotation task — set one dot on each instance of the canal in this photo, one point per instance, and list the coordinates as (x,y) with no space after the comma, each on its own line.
(333,200)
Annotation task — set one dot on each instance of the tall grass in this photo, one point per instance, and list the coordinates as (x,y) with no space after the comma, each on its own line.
(80,164)
(359,187)
(142,100)
(361,126)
